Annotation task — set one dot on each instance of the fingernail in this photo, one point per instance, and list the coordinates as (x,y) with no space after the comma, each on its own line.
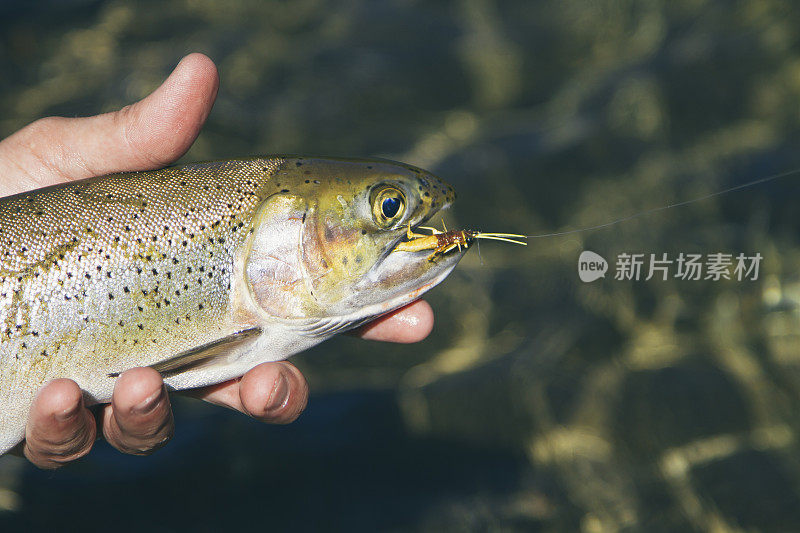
(279,395)
(68,414)
(149,403)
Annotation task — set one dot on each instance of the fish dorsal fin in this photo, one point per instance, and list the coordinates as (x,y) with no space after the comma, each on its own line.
(201,355)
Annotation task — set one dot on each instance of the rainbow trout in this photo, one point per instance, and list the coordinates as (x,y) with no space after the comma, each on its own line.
(202,271)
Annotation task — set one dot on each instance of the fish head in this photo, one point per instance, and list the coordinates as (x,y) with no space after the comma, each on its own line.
(324,245)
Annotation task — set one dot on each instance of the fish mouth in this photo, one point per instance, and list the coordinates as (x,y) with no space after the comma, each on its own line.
(401,277)
(397,277)
(403,237)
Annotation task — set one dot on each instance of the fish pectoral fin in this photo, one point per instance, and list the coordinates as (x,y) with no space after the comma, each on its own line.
(201,355)
(326,327)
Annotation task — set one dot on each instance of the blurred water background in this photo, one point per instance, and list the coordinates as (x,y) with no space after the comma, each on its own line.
(539,403)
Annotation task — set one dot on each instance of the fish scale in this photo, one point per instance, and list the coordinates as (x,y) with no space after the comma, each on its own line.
(163,248)
(141,268)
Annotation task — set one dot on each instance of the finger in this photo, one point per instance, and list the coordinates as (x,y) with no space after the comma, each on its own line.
(411,323)
(60,429)
(139,419)
(148,134)
(271,392)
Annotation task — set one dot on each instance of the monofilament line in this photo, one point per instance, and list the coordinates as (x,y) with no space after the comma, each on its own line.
(670,206)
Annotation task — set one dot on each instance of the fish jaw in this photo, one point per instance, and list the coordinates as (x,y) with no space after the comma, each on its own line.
(401,278)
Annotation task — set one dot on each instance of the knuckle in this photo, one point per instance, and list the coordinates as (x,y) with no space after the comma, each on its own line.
(55,454)
(69,455)
(143,448)
(128,122)
(145,442)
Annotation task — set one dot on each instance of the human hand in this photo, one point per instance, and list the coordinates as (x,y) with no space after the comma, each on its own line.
(147,135)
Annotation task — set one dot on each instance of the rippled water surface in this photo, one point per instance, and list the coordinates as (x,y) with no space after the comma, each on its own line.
(539,402)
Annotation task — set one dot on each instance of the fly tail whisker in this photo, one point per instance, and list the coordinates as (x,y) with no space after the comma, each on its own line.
(495,238)
(429,228)
(504,235)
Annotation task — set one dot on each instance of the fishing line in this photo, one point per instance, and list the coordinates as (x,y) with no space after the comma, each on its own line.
(670,206)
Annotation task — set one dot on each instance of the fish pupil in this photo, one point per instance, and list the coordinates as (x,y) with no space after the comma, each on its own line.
(390,207)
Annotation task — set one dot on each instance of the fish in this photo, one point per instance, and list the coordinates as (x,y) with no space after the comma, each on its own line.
(203,271)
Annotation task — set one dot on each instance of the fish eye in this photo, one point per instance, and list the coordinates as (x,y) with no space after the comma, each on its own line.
(388,206)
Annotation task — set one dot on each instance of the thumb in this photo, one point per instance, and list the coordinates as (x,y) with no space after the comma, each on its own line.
(148,134)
